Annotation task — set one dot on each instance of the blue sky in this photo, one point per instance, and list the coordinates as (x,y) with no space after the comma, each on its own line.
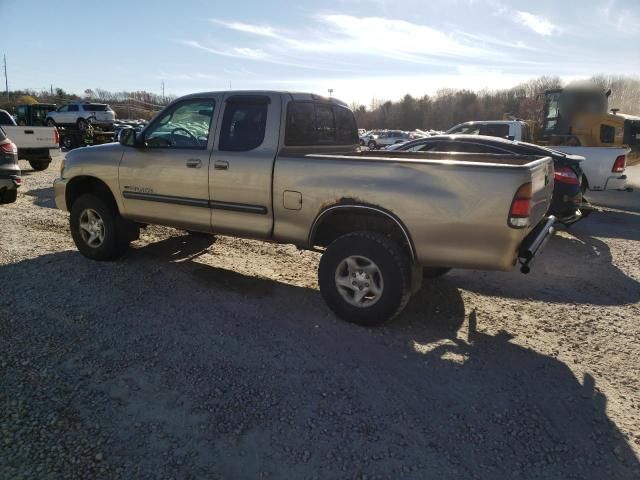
(360,49)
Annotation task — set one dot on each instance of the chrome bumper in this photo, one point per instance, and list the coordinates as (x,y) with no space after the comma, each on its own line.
(533,243)
(59,188)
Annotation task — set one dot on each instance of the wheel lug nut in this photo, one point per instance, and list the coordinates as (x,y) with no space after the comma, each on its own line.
(366,284)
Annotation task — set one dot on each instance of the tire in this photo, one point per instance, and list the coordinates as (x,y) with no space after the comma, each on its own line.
(372,145)
(434,272)
(112,227)
(8,196)
(68,143)
(50,122)
(585,184)
(82,124)
(369,259)
(39,165)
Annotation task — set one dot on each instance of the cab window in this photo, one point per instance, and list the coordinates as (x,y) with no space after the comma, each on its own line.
(185,125)
(310,123)
(244,123)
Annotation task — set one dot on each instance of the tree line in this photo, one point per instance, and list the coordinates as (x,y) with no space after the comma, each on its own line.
(449,107)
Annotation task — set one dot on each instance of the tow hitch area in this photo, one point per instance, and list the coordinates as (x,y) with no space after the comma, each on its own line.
(534,242)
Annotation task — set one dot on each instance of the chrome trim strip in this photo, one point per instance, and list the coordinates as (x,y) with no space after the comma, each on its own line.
(196,202)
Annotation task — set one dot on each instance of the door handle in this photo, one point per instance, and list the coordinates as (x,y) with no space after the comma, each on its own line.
(194,163)
(221,165)
(28,132)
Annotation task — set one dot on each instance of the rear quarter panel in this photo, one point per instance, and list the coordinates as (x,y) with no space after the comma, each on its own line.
(456,212)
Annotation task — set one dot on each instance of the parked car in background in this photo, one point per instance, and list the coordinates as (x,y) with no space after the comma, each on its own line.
(10,178)
(388,137)
(603,167)
(287,168)
(33,115)
(568,204)
(79,113)
(368,135)
(34,143)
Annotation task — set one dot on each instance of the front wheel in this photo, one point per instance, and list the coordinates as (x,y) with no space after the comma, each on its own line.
(365,278)
(97,228)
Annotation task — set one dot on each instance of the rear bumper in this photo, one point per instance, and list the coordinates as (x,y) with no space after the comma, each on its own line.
(533,243)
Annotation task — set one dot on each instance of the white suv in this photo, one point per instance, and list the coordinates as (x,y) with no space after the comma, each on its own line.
(80,113)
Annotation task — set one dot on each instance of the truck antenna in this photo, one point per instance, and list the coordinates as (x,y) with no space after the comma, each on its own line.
(6,81)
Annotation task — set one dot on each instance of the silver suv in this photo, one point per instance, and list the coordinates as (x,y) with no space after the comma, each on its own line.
(79,114)
(389,137)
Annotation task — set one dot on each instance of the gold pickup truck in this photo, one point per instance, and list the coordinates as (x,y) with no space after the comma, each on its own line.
(287,168)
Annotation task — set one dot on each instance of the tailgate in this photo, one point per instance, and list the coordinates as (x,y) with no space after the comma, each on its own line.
(541,190)
(32,137)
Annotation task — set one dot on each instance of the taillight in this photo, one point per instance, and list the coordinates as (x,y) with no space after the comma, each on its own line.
(566,175)
(56,136)
(619,164)
(520,207)
(9,147)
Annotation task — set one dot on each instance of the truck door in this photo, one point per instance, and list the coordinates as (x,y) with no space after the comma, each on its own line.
(165,179)
(242,165)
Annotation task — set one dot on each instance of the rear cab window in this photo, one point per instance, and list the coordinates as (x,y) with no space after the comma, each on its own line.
(312,123)
(95,107)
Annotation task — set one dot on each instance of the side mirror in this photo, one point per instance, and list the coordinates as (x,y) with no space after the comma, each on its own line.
(128,138)
(510,137)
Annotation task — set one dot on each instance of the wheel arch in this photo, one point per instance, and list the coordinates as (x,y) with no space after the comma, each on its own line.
(82,184)
(340,219)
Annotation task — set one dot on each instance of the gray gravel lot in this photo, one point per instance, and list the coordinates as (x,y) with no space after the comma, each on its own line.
(196,357)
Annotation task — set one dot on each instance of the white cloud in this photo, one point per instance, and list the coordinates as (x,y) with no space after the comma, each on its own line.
(538,24)
(261,30)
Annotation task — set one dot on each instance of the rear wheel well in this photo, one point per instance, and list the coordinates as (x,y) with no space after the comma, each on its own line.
(333,224)
(81,185)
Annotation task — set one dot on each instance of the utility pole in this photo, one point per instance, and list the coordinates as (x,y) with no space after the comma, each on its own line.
(330,92)
(162,91)
(6,81)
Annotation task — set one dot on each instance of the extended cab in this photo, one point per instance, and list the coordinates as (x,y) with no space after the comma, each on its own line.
(287,168)
(603,167)
(34,143)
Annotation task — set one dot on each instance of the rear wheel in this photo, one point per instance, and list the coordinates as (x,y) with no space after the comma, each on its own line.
(372,145)
(365,278)
(97,228)
(82,124)
(51,122)
(39,165)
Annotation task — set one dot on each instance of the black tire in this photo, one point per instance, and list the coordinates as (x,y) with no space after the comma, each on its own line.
(584,185)
(82,124)
(39,165)
(372,145)
(68,142)
(8,196)
(434,272)
(115,232)
(394,269)
(50,122)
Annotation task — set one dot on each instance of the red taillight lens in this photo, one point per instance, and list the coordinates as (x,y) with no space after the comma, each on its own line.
(9,147)
(620,164)
(521,207)
(57,136)
(566,175)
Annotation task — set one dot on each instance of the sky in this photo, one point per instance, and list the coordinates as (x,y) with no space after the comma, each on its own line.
(361,50)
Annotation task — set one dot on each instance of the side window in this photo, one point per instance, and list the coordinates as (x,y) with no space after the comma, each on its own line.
(325,125)
(64,108)
(495,130)
(244,124)
(185,125)
(73,108)
(607,134)
(310,123)
(472,129)
(346,130)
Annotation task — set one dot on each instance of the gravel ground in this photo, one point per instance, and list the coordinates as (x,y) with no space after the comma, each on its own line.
(216,358)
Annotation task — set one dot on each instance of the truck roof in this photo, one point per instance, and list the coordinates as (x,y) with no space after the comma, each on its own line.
(298,96)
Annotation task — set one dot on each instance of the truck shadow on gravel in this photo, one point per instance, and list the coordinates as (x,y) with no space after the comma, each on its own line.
(193,371)
(575,267)
(43,197)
